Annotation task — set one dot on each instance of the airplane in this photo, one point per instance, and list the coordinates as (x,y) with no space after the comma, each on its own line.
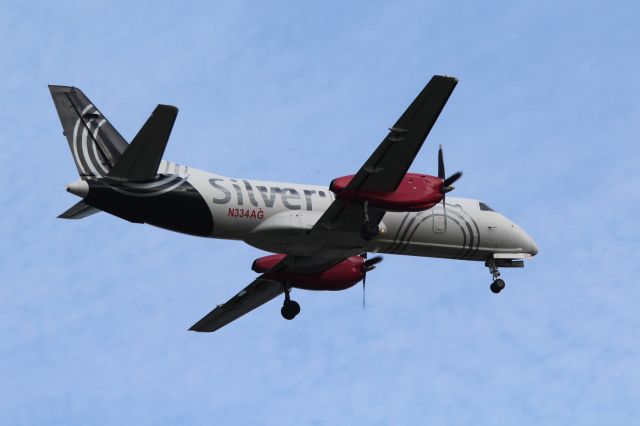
(320,236)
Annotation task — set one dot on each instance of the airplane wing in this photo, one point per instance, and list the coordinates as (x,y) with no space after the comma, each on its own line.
(388,164)
(252,296)
(337,230)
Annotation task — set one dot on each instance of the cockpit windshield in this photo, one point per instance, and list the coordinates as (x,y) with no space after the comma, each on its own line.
(485,208)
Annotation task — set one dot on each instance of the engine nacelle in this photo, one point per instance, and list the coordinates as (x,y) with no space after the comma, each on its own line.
(416,192)
(339,277)
(263,264)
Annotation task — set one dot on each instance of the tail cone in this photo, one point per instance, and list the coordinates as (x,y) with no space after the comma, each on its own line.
(79,188)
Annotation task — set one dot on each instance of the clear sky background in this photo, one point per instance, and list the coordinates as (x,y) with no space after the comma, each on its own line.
(544,123)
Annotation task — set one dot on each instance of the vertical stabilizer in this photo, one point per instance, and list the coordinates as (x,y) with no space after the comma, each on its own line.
(142,158)
(95,144)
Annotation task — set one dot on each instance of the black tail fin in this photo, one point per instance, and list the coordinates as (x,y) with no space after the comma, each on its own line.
(142,158)
(95,144)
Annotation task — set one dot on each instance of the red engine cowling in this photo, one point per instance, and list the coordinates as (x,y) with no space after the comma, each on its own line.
(339,277)
(415,193)
(263,264)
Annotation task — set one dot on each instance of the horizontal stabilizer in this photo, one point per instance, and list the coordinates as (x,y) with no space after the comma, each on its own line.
(80,210)
(141,159)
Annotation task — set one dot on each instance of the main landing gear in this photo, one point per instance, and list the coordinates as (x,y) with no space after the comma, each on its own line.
(498,284)
(290,308)
(368,230)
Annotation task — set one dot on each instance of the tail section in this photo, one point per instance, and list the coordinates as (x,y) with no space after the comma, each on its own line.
(80,210)
(95,144)
(141,159)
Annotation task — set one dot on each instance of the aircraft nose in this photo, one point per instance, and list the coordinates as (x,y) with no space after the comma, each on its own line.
(523,241)
(527,243)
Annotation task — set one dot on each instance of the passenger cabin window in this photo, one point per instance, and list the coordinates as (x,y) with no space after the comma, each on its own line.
(485,208)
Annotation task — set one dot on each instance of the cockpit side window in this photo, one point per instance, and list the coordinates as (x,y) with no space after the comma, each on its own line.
(485,208)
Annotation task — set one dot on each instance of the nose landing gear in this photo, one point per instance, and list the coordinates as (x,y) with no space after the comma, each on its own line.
(290,308)
(498,284)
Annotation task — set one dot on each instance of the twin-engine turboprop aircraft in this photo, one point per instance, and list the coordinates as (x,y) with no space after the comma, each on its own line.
(320,236)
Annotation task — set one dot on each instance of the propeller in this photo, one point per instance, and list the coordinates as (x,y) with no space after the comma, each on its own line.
(369,265)
(447,183)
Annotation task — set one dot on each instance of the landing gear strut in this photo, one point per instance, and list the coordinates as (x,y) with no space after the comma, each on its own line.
(498,284)
(290,308)
(368,230)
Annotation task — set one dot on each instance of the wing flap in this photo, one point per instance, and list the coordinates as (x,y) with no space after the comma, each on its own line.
(345,217)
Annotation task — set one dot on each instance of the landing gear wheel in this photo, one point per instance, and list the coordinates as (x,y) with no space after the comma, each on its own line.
(290,309)
(369,230)
(295,307)
(497,286)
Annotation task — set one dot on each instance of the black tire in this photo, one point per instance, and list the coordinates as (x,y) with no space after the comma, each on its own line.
(295,307)
(286,313)
(290,309)
(497,286)
(369,230)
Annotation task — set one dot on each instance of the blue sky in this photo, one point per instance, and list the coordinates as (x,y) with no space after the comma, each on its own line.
(544,123)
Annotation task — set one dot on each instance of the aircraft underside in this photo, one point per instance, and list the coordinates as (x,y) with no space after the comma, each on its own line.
(320,237)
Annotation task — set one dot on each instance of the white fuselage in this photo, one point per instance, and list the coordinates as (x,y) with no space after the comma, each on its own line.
(274,216)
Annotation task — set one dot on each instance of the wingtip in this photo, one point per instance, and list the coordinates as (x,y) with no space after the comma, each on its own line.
(446,77)
(168,107)
(54,88)
(197,327)
(199,330)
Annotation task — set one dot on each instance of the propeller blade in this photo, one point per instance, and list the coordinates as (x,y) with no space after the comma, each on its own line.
(364,290)
(368,265)
(450,180)
(373,261)
(446,183)
(364,277)
(444,209)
